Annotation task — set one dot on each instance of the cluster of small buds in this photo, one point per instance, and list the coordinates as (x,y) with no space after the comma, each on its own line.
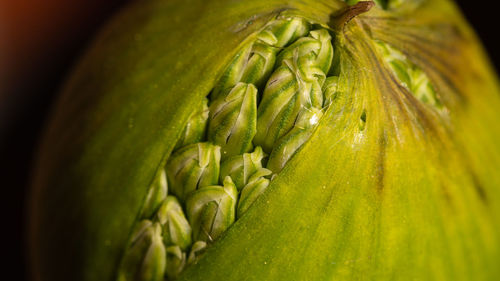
(410,76)
(264,107)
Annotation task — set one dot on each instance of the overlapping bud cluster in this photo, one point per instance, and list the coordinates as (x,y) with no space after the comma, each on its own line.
(264,107)
(413,78)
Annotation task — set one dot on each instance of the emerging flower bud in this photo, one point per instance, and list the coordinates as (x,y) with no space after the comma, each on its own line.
(211,210)
(176,228)
(295,85)
(256,185)
(194,131)
(192,167)
(156,194)
(289,144)
(176,260)
(145,259)
(233,120)
(241,167)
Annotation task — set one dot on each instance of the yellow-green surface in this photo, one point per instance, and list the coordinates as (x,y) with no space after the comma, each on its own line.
(413,194)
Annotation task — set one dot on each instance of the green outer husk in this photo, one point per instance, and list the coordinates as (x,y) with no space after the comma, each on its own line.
(414,195)
(117,120)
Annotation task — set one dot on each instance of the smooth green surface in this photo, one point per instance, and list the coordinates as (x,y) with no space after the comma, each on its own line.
(411,195)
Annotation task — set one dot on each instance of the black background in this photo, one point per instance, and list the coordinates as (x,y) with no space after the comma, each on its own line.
(28,108)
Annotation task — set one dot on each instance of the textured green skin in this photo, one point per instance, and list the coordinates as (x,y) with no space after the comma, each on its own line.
(412,196)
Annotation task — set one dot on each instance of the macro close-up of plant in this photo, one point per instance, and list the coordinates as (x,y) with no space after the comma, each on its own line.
(272,140)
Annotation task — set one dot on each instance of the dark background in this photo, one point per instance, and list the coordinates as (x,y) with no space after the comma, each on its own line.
(39,41)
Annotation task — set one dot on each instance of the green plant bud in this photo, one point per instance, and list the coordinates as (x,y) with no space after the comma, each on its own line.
(293,86)
(194,131)
(330,89)
(211,210)
(282,32)
(254,62)
(145,259)
(423,89)
(233,120)
(156,194)
(241,167)
(291,142)
(176,228)
(285,95)
(276,108)
(316,51)
(192,167)
(260,64)
(197,249)
(397,181)
(176,260)
(256,185)
(310,80)
(232,74)
(409,75)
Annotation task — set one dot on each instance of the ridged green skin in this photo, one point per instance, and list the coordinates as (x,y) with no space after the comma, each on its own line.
(411,195)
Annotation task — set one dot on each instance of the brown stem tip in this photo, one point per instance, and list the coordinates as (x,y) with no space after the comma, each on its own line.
(339,20)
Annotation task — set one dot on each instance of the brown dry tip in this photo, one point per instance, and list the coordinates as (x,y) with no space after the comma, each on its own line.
(338,20)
